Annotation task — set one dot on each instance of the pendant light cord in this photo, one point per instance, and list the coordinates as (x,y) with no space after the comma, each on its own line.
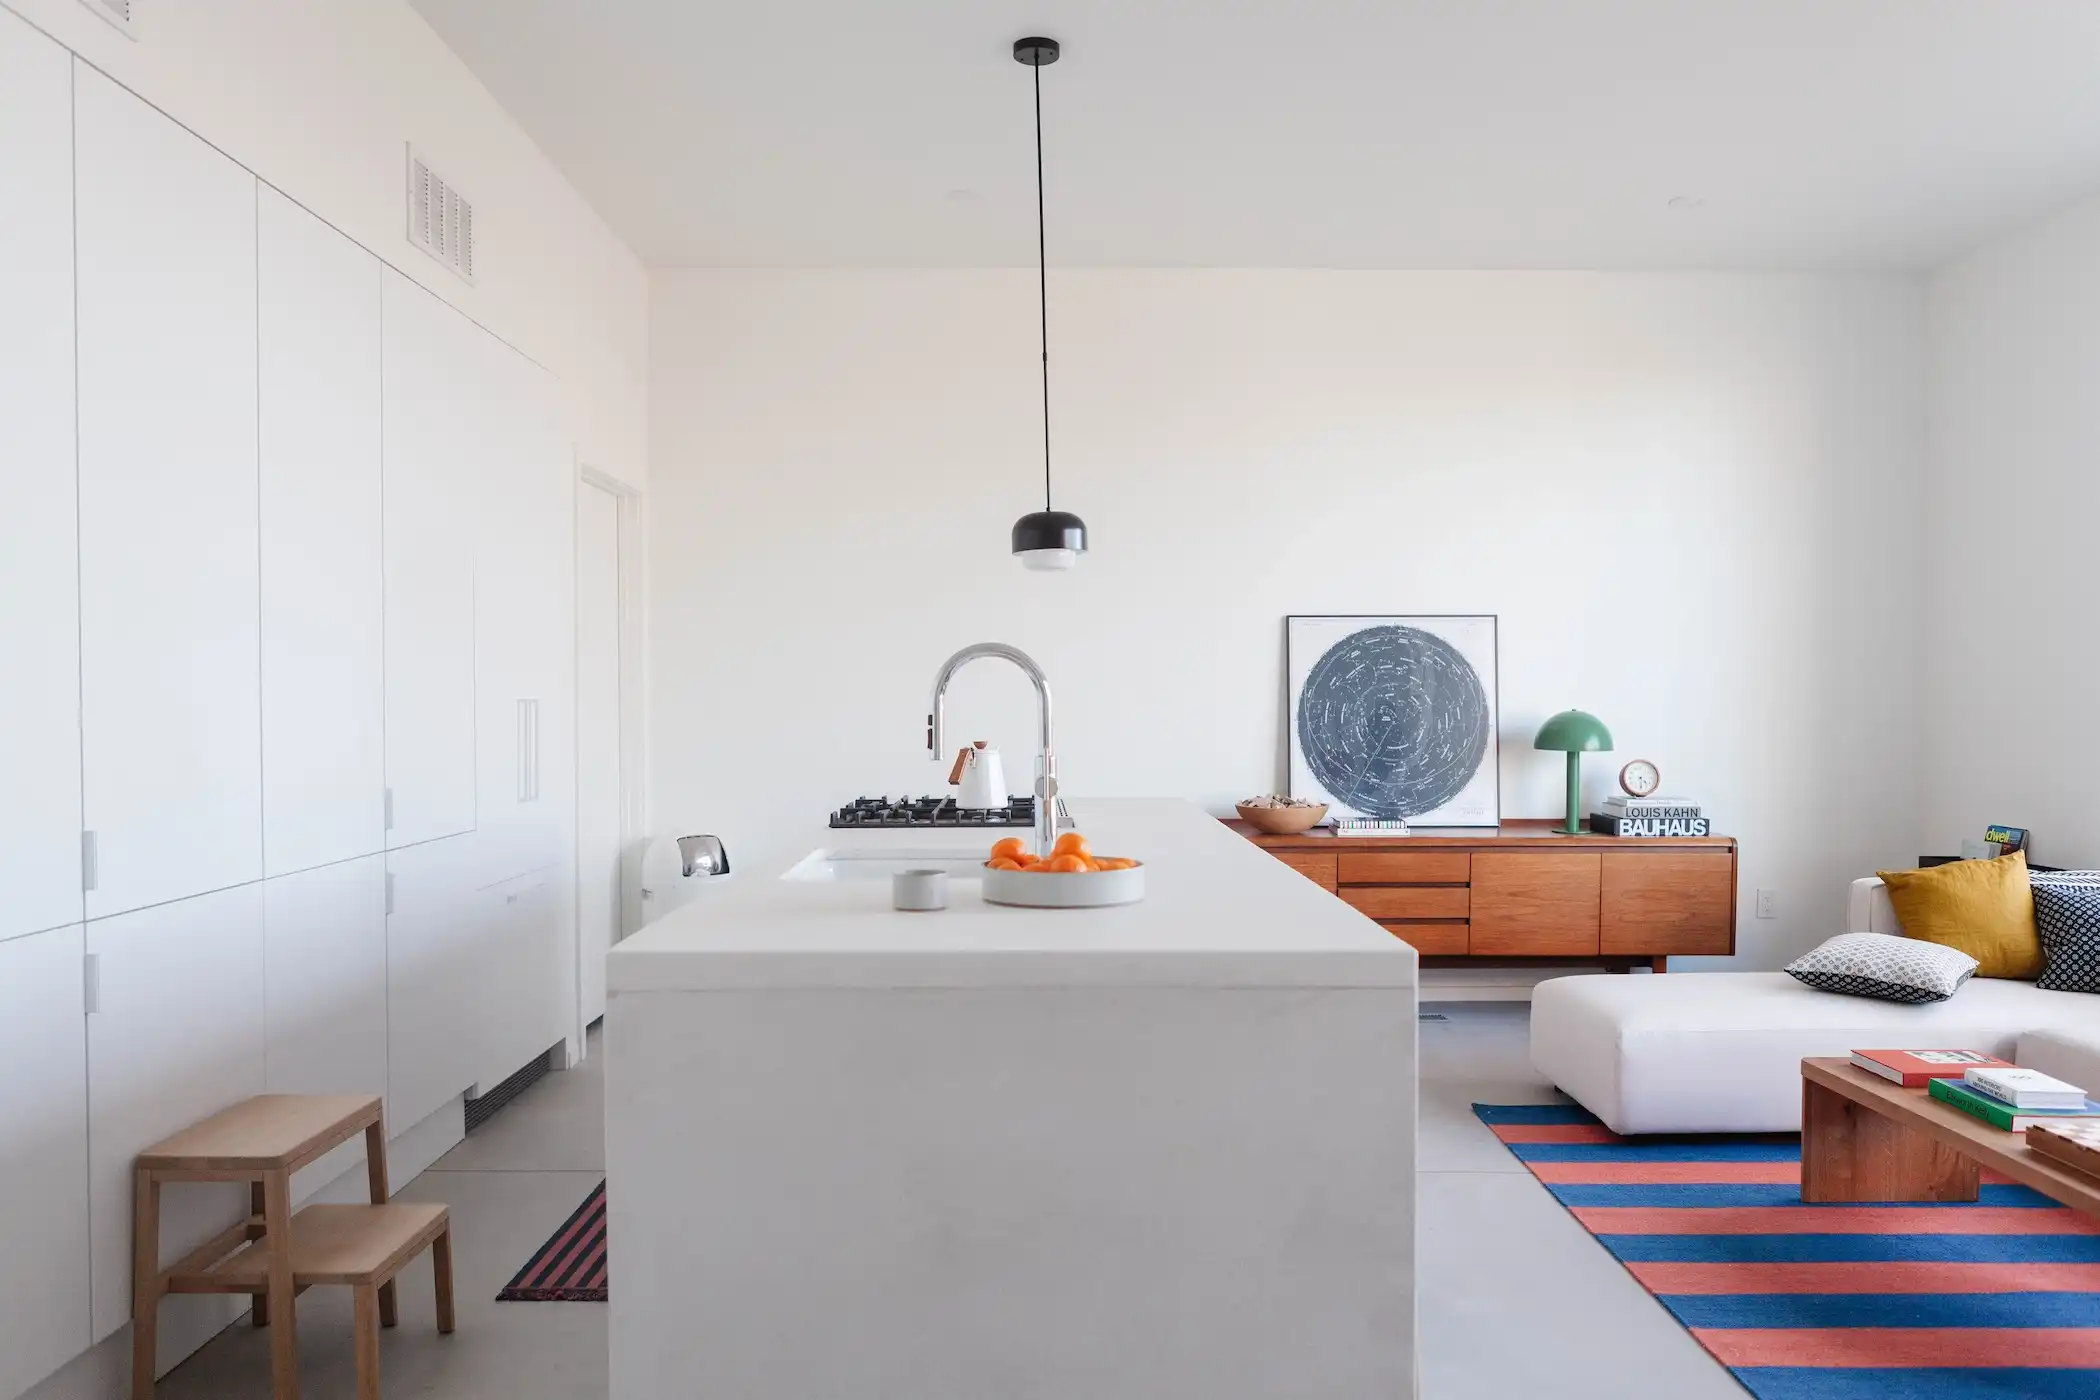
(1042,263)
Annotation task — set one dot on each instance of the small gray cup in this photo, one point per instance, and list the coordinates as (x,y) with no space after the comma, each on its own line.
(919,889)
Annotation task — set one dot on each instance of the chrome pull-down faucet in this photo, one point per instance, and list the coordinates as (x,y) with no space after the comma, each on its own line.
(1046,753)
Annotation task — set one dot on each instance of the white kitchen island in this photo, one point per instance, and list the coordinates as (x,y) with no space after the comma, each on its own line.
(1157,1152)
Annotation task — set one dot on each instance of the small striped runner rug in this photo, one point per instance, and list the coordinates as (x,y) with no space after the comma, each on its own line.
(570,1267)
(1996,1300)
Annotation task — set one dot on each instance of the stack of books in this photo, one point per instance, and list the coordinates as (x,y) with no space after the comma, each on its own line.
(2015,1099)
(1650,816)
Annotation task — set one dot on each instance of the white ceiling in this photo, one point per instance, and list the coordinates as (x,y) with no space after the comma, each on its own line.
(1305,133)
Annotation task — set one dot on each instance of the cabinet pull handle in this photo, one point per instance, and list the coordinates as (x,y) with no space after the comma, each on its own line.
(389,807)
(528,750)
(91,983)
(390,892)
(90,862)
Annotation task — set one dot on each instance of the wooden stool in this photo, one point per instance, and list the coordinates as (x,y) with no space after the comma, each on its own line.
(361,1247)
(262,1141)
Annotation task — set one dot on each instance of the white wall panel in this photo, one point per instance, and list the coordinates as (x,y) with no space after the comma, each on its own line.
(323,691)
(430,405)
(324,968)
(39,539)
(43,1155)
(179,1034)
(170,701)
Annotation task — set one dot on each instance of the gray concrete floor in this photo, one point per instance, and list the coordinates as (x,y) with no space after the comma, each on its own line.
(1516,1299)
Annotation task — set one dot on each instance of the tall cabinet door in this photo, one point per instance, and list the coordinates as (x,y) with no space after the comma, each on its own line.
(434,996)
(524,620)
(177,1034)
(39,536)
(324,970)
(170,701)
(323,687)
(43,1155)
(429,546)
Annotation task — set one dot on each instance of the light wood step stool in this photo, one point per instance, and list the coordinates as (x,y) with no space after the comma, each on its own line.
(273,1254)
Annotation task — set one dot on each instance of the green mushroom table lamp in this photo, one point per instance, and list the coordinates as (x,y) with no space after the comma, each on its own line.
(1574,733)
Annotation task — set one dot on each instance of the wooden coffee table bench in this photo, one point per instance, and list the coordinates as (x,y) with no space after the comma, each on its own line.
(1865,1138)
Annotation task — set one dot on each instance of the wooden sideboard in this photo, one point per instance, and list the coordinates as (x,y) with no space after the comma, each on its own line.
(1524,892)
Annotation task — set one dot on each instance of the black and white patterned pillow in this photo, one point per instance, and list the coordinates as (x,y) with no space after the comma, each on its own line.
(1884,966)
(2067,915)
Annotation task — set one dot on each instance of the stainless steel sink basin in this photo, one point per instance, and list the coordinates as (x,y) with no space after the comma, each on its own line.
(872,864)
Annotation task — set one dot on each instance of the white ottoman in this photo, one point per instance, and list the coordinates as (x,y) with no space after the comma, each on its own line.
(2072,1056)
(1721,1052)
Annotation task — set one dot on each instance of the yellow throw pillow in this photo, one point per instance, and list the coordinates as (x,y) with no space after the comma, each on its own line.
(1982,907)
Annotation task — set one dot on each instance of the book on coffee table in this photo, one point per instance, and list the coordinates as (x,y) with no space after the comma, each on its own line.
(2025,1088)
(1914,1069)
(2003,1115)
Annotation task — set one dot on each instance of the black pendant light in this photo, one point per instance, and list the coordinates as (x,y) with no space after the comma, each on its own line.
(1044,539)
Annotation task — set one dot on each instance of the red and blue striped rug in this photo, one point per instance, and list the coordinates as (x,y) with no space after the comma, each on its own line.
(571,1267)
(1999,1300)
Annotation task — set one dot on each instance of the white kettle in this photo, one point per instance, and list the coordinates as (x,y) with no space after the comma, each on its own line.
(980,776)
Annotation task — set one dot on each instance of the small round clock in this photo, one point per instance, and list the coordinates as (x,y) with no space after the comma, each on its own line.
(1640,778)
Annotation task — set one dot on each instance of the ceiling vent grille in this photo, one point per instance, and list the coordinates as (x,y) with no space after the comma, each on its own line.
(440,218)
(117,12)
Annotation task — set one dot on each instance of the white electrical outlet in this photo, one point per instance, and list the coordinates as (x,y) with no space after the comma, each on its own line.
(1768,904)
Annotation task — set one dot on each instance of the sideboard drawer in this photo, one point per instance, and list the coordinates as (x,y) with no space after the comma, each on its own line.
(1409,901)
(1405,867)
(1316,866)
(1433,937)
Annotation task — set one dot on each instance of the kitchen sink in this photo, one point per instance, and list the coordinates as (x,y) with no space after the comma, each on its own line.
(875,864)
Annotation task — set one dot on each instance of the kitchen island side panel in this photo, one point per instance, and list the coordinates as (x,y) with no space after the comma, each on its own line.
(1148,1193)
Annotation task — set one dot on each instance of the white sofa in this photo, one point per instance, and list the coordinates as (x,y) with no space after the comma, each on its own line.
(1721,1052)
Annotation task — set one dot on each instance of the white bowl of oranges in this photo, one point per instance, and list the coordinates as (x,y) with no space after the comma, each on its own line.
(1070,877)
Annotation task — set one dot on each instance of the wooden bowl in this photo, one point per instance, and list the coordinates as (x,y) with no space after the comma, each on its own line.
(1282,821)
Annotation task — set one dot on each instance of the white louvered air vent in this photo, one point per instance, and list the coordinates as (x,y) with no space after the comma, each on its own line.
(440,220)
(117,12)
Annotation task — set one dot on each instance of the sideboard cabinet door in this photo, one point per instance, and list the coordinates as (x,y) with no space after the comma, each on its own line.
(1659,902)
(1535,904)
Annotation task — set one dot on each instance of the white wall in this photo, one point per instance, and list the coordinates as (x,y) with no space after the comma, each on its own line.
(1691,500)
(2009,664)
(320,98)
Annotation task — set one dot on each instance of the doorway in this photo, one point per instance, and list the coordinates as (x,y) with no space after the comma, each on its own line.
(607,727)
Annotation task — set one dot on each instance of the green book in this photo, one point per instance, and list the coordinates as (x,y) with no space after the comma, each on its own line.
(2003,1115)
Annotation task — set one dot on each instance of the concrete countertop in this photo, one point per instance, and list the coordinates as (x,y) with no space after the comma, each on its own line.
(1218,912)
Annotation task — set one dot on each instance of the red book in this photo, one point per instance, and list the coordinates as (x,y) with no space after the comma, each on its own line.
(1914,1069)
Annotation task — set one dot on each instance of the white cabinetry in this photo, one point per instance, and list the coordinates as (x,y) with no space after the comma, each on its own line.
(525,683)
(433,998)
(524,643)
(170,702)
(323,691)
(43,1157)
(324,998)
(429,550)
(39,559)
(178,1034)
(525,997)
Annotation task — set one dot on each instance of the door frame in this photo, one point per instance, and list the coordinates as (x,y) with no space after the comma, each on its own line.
(634,806)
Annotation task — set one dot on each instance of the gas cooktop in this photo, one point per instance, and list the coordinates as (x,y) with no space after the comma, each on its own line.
(939,811)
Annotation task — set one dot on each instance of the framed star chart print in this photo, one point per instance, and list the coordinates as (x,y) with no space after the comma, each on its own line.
(1396,717)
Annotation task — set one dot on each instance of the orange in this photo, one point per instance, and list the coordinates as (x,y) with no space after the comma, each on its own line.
(1011,848)
(1115,863)
(1002,863)
(1071,844)
(1066,864)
